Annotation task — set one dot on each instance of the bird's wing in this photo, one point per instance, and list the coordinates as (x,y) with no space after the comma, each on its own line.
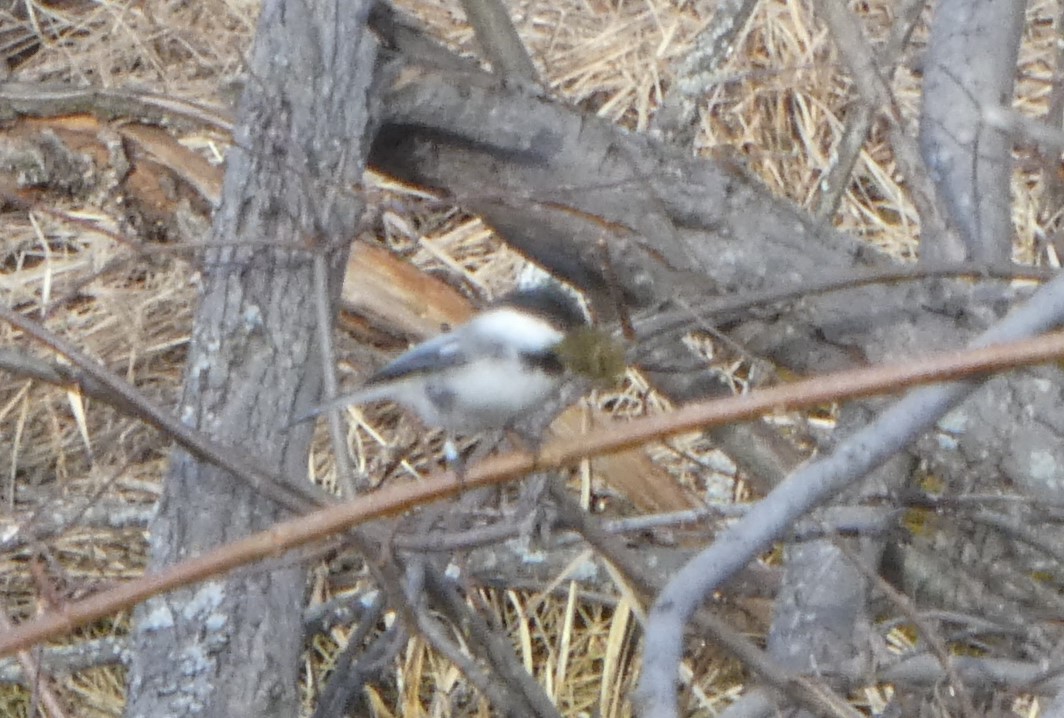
(442,352)
(476,340)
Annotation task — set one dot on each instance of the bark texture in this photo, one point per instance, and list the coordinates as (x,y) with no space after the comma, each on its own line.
(558,185)
(971,67)
(231,647)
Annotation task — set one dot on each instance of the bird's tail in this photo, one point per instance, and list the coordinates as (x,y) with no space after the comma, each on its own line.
(365,395)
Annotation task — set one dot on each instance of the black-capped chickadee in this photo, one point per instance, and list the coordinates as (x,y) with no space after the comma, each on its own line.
(486,374)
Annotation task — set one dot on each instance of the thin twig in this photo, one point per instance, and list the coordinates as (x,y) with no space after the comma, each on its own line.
(846,153)
(347,677)
(297,495)
(497,650)
(721,308)
(805,489)
(345,476)
(37,681)
(934,641)
(499,40)
(860,60)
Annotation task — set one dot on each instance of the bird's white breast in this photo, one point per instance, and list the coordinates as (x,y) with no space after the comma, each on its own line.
(488,393)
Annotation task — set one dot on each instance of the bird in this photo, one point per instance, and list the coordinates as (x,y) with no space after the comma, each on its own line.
(484,375)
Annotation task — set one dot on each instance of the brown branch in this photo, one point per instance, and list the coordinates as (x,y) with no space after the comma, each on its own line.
(392,500)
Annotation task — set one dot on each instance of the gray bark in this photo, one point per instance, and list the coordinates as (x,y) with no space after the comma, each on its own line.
(231,647)
(697,75)
(684,227)
(971,66)
(971,63)
(554,184)
(855,457)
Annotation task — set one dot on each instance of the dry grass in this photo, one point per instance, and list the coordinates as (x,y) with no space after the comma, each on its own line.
(782,103)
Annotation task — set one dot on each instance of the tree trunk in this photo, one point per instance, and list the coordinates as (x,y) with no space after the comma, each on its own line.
(231,647)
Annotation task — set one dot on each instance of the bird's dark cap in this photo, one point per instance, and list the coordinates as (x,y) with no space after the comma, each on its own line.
(548,301)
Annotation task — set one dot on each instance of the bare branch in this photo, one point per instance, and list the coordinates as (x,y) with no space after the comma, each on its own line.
(348,677)
(857,126)
(500,42)
(116,391)
(807,692)
(396,498)
(925,670)
(875,92)
(971,65)
(803,490)
(36,679)
(938,646)
(697,74)
(496,650)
